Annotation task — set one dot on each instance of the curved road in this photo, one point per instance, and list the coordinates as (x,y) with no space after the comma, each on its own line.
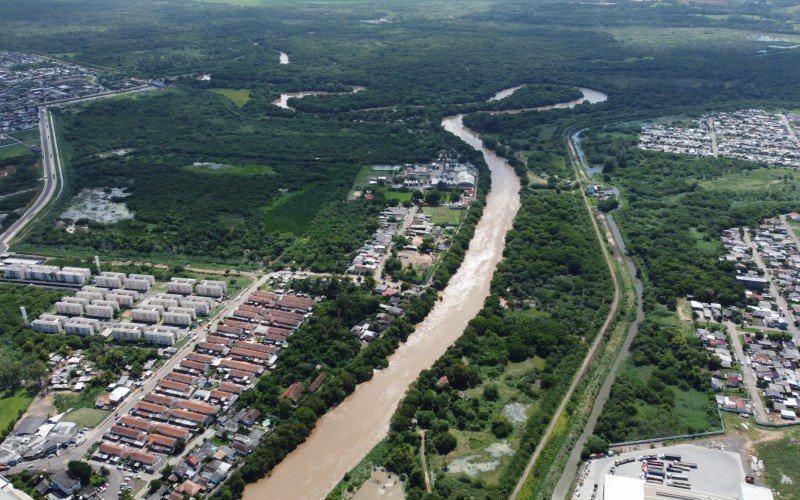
(51,176)
(51,162)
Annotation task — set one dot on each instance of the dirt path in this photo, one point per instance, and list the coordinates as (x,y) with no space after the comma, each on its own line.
(424,461)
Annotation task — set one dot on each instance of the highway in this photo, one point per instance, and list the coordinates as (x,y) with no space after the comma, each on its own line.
(53,175)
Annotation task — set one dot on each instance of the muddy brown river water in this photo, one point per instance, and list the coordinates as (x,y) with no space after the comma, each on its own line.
(348,432)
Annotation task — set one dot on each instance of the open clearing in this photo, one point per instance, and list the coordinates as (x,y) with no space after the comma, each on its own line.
(782,464)
(444,216)
(238,96)
(758,180)
(12,151)
(11,404)
(86,417)
(97,205)
(224,169)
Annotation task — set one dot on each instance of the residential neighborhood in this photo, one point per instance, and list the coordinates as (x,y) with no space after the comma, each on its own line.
(752,134)
(28,81)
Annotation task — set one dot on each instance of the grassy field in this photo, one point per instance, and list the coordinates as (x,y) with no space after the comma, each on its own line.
(238,96)
(26,135)
(398,195)
(231,170)
(13,151)
(76,400)
(758,180)
(444,216)
(11,404)
(782,458)
(86,417)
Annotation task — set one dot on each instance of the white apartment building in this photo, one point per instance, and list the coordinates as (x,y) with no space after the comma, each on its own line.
(182,286)
(147,314)
(99,311)
(127,332)
(69,308)
(161,335)
(211,288)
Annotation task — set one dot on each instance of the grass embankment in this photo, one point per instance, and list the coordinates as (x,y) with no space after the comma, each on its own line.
(12,404)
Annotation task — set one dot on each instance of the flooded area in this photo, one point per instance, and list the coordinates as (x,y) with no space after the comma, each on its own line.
(283,58)
(283,100)
(97,204)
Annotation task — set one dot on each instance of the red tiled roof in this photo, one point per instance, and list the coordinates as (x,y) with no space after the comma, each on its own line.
(232,388)
(208,346)
(140,456)
(293,392)
(171,430)
(189,415)
(112,449)
(255,346)
(200,407)
(199,358)
(149,407)
(161,440)
(248,353)
(128,432)
(218,340)
(159,399)
(180,377)
(134,422)
(240,365)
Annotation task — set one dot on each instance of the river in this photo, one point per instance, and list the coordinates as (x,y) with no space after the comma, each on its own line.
(344,435)
(283,100)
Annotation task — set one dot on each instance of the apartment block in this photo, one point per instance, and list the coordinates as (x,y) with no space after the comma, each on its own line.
(121,300)
(127,332)
(48,323)
(74,275)
(178,318)
(200,307)
(210,288)
(99,311)
(42,273)
(110,303)
(161,335)
(140,285)
(69,308)
(81,326)
(182,286)
(110,281)
(90,295)
(147,314)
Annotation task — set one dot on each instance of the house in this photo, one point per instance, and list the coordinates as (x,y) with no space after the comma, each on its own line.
(294,392)
(62,481)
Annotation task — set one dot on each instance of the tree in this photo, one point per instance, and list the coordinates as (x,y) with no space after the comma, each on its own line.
(491,393)
(80,470)
(180,445)
(444,443)
(501,427)
(595,444)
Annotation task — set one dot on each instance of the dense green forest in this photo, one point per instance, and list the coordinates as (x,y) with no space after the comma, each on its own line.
(556,289)
(673,210)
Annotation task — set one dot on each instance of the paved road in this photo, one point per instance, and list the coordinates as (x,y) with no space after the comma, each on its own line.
(590,355)
(51,176)
(78,452)
(747,373)
(51,161)
(773,289)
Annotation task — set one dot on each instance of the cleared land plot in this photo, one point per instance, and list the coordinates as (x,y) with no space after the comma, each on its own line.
(238,96)
(86,417)
(13,151)
(782,464)
(444,216)
(758,180)
(398,195)
(221,169)
(11,404)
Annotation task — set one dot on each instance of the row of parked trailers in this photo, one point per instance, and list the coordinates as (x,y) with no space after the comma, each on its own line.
(665,469)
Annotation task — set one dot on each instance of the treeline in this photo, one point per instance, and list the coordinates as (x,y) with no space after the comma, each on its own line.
(323,345)
(555,326)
